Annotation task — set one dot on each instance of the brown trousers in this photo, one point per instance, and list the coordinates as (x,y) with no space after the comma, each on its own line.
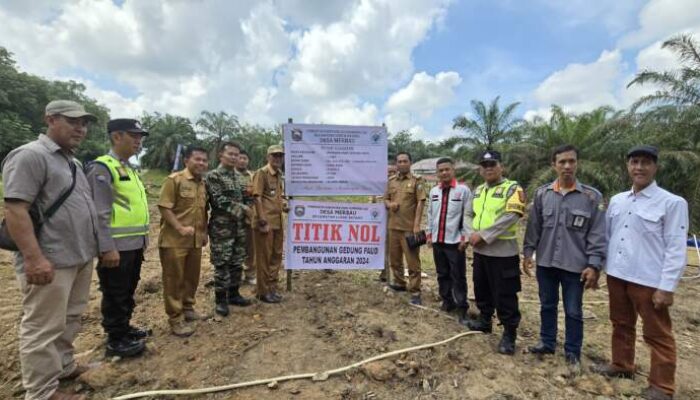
(627,300)
(181,268)
(268,259)
(249,266)
(399,249)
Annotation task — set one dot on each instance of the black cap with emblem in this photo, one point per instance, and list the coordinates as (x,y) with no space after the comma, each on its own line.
(645,150)
(125,125)
(489,156)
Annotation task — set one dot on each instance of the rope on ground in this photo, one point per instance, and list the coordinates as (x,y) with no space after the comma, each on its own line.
(697,249)
(315,376)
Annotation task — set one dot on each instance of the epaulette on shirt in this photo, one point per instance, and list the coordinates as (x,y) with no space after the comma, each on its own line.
(173,175)
(592,193)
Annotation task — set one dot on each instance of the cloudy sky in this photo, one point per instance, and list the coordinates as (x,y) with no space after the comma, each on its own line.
(412,64)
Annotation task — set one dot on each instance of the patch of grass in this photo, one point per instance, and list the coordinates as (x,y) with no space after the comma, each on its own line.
(153,180)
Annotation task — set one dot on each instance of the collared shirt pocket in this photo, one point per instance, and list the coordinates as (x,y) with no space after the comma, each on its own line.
(548,217)
(578,220)
(649,221)
(187,193)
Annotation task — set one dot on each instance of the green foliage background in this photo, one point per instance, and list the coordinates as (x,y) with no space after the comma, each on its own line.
(668,118)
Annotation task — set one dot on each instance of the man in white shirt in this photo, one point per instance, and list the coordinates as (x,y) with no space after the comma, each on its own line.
(448,235)
(647,228)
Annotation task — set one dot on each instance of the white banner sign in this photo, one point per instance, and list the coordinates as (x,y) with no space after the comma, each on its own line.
(335,235)
(334,160)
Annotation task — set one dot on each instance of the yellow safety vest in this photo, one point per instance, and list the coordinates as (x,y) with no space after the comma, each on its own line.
(490,203)
(130,206)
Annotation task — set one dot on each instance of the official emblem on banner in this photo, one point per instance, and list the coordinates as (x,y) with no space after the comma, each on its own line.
(299,211)
(297,135)
(375,214)
(376,136)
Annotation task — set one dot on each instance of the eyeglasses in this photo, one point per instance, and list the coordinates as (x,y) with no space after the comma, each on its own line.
(489,164)
(277,155)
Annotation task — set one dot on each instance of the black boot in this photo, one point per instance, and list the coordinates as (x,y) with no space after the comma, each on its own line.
(124,347)
(221,303)
(507,344)
(462,316)
(480,324)
(235,298)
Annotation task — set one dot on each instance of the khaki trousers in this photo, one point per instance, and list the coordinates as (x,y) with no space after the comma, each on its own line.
(627,300)
(249,266)
(181,268)
(50,324)
(268,260)
(398,248)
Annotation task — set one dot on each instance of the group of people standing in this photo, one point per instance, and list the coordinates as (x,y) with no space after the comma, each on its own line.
(640,242)
(62,214)
(103,213)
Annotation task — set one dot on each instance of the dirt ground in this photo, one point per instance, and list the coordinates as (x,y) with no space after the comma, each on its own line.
(334,319)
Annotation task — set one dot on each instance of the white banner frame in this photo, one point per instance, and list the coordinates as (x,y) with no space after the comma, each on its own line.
(341,236)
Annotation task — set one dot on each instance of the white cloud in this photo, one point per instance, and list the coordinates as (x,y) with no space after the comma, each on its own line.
(583,87)
(315,60)
(425,93)
(660,19)
(417,101)
(366,53)
(344,112)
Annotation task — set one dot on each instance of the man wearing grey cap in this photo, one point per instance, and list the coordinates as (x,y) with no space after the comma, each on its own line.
(647,228)
(122,207)
(54,267)
(268,189)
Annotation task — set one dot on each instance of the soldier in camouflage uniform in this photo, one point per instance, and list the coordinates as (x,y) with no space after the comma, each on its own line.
(227,228)
(246,179)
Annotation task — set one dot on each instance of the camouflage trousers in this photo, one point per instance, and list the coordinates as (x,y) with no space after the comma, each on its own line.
(228,251)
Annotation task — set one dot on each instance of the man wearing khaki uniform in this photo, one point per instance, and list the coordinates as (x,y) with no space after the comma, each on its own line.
(183,233)
(267,190)
(405,199)
(54,272)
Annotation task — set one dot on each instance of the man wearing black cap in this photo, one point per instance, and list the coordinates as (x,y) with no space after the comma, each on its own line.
(122,208)
(647,228)
(496,207)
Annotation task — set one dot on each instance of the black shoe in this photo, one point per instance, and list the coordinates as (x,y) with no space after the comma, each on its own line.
(447,307)
(416,300)
(397,288)
(269,298)
(479,324)
(540,348)
(221,305)
(507,344)
(124,347)
(235,298)
(138,333)
(277,296)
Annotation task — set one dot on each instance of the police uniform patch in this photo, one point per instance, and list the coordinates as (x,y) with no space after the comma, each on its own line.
(499,192)
(579,221)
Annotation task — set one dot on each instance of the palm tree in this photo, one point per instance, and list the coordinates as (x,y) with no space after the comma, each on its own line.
(673,121)
(165,133)
(680,88)
(217,127)
(490,126)
(599,135)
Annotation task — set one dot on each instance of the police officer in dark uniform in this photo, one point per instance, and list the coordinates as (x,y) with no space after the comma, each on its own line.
(497,206)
